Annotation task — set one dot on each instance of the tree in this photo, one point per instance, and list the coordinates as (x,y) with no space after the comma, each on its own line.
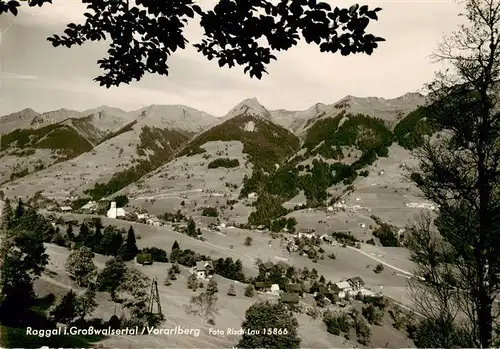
(175,246)
(86,303)
(191,227)
(19,209)
(203,305)
(66,311)
(248,241)
(460,172)
(69,232)
(110,278)
(133,294)
(192,282)
(121,200)
(249,291)
(23,258)
(7,215)
(372,314)
(151,33)
(267,315)
(379,268)
(212,287)
(80,265)
(129,250)
(83,234)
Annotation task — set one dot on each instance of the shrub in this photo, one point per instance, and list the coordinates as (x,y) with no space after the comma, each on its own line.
(210,212)
(224,162)
(144,258)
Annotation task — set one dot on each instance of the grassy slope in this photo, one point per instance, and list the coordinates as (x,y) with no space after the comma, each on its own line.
(157,146)
(64,139)
(268,145)
(325,138)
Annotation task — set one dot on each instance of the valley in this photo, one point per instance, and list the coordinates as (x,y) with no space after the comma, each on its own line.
(282,178)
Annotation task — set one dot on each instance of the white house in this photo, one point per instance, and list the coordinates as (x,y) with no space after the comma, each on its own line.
(91,205)
(65,208)
(114,212)
(252,195)
(342,288)
(203,269)
(275,289)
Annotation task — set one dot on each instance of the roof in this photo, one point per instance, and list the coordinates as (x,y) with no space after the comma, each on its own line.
(203,265)
(327,237)
(290,297)
(357,279)
(263,284)
(342,285)
(267,265)
(293,287)
(66,208)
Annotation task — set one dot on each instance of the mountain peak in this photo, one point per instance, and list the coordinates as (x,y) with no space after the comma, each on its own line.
(249,106)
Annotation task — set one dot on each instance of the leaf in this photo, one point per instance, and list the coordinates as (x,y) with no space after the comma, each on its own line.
(372,15)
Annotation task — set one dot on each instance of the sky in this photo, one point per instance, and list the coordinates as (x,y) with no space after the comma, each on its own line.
(38,76)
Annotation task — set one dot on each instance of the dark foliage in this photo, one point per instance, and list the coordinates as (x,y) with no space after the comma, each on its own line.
(224,162)
(229,269)
(265,316)
(157,254)
(210,212)
(142,38)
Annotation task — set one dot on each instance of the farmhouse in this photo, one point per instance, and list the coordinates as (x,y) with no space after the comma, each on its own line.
(66,209)
(275,289)
(294,288)
(267,266)
(290,298)
(203,270)
(341,289)
(263,286)
(327,239)
(356,283)
(90,206)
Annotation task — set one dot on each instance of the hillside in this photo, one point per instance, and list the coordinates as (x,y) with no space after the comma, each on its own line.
(120,156)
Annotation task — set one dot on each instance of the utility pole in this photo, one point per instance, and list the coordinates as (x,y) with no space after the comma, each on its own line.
(154,298)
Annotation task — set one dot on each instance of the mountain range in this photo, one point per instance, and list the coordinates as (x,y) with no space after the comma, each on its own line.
(281,157)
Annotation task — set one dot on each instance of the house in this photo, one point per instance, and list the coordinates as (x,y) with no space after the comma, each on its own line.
(275,289)
(263,286)
(252,196)
(342,289)
(294,288)
(267,266)
(89,206)
(291,247)
(66,209)
(203,269)
(114,211)
(356,283)
(327,239)
(290,298)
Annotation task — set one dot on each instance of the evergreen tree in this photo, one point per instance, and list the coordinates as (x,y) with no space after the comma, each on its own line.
(19,209)
(69,232)
(97,239)
(212,287)
(66,311)
(129,250)
(175,246)
(83,234)
(7,219)
(191,227)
